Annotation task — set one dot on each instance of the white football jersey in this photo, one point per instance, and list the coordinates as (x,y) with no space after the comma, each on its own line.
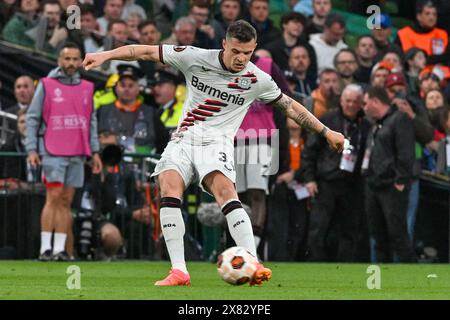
(216,99)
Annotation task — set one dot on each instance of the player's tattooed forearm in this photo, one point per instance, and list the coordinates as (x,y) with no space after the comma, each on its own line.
(284,103)
(304,120)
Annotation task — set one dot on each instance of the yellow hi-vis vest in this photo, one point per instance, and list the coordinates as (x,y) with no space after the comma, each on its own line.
(171,115)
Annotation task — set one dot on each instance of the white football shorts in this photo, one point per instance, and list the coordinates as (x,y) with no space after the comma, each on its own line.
(194,162)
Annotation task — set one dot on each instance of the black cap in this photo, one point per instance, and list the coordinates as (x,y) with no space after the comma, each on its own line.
(163,76)
(127,70)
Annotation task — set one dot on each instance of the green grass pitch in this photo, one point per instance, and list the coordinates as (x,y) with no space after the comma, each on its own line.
(134,280)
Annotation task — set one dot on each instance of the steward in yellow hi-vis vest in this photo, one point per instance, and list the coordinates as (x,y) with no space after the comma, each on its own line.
(169,96)
(172,114)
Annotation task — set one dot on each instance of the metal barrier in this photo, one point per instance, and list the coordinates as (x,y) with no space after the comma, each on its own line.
(433,217)
(22,197)
(7,126)
(20,207)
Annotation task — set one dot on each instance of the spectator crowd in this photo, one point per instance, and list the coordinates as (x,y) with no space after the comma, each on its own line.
(386,89)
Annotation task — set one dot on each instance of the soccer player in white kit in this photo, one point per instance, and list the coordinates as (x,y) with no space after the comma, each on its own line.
(221,85)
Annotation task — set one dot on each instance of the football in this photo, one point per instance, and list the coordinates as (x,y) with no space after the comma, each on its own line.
(236,265)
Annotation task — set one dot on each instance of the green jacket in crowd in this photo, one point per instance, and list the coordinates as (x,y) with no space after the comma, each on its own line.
(15,29)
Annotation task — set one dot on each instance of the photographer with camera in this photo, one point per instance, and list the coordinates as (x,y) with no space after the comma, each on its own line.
(137,124)
(397,90)
(109,203)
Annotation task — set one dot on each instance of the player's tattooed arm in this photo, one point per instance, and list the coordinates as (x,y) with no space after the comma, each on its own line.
(307,120)
(299,114)
(127,53)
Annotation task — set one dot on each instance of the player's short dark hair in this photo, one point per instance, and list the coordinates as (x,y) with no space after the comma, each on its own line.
(145,23)
(242,31)
(334,18)
(421,4)
(378,93)
(292,16)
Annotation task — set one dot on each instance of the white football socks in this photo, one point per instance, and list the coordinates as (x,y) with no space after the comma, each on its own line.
(172,225)
(46,241)
(59,242)
(239,225)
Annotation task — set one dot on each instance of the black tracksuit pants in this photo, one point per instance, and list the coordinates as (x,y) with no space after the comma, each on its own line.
(386,209)
(335,207)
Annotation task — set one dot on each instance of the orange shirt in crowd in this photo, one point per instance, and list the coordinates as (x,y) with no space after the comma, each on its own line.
(295,151)
(320,104)
(433,43)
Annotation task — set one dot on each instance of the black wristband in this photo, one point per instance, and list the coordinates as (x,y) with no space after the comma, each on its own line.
(323,132)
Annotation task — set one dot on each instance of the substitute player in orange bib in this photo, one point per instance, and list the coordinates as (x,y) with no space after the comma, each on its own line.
(221,85)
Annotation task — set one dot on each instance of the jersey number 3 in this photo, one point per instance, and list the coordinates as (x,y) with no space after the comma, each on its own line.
(223,158)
